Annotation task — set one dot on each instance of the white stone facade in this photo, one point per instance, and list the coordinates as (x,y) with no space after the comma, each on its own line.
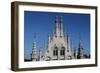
(58,46)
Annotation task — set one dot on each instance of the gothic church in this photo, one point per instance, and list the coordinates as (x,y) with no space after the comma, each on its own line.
(58,46)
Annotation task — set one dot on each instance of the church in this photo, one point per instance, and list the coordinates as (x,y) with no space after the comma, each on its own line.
(58,46)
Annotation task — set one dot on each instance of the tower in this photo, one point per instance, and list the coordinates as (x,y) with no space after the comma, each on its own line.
(69,49)
(61,26)
(57,31)
(34,51)
(80,51)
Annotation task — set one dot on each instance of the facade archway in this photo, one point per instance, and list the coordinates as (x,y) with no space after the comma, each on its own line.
(55,51)
(62,51)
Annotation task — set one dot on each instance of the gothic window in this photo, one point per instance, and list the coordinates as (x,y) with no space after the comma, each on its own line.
(62,51)
(55,52)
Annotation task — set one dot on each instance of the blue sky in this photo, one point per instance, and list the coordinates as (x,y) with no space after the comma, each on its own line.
(42,23)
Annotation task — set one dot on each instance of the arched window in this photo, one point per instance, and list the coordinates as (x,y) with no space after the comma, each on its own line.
(55,51)
(62,51)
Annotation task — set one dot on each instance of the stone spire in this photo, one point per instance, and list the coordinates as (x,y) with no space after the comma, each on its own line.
(45,46)
(49,38)
(80,43)
(34,52)
(80,50)
(69,47)
(39,55)
(34,42)
(61,26)
(68,39)
(57,26)
(69,43)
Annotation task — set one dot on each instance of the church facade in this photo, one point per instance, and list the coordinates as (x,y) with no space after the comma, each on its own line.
(58,46)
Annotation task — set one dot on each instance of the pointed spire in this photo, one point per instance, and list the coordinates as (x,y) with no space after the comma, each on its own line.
(34,41)
(57,27)
(49,38)
(75,53)
(80,49)
(68,42)
(80,42)
(45,44)
(34,51)
(81,53)
(61,26)
(65,36)
(71,46)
